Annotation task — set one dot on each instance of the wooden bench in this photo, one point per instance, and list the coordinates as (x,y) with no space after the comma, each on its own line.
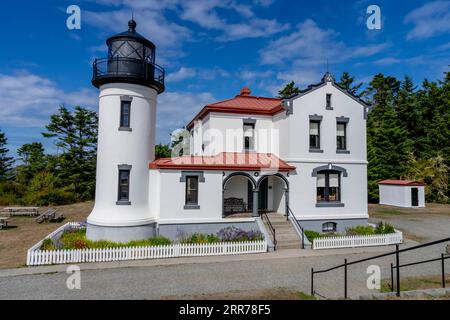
(231,205)
(51,215)
(21,211)
(4,222)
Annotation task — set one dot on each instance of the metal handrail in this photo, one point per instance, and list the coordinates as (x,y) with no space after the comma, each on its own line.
(289,212)
(271,228)
(397,267)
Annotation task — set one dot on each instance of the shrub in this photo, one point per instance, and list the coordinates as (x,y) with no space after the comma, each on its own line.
(201,238)
(233,233)
(312,234)
(48,244)
(384,228)
(359,230)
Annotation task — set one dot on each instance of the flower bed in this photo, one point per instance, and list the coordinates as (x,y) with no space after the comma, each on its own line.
(68,244)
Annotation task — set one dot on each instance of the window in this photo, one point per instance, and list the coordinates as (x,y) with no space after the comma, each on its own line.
(314,134)
(328,100)
(191,190)
(328,186)
(329,227)
(124,186)
(341,136)
(125,109)
(249,136)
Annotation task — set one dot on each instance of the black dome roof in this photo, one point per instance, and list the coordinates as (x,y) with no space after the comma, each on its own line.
(131,34)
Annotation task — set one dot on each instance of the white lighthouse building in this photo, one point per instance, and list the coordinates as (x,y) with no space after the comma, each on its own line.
(129,82)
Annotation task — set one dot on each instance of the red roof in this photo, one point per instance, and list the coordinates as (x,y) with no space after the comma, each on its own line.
(402,182)
(243,103)
(225,161)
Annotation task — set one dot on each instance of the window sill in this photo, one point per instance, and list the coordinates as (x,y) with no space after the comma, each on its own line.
(342,151)
(329,205)
(315,150)
(191,207)
(123,203)
(249,150)
(125,129)
(329,108)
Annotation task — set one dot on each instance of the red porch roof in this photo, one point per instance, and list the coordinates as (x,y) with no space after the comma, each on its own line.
(402,182)
(225,161)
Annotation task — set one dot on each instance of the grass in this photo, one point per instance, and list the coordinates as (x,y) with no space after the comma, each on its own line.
(25,232)
(416,283)
(257,294)
(381,211)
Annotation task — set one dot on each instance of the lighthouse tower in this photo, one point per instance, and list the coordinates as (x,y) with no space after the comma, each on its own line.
(129,82)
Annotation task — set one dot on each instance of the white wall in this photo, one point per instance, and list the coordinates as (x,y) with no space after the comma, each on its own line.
(237,187)
(303,193)
(169,206)
(400,196)
(135,148)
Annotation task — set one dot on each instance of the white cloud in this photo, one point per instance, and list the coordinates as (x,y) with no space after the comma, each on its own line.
(310,45)
(188,73)
(429,20)
(176,109)
(27,100)
(182,74)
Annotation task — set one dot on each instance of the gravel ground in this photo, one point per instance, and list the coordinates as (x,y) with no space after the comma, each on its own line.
(184,280)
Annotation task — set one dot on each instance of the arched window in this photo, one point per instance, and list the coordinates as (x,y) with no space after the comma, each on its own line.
(328,186)
(329,227)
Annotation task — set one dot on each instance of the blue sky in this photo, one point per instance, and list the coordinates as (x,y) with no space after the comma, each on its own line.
(210,50)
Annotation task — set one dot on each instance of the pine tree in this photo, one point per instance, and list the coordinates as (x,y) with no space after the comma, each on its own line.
(6,162)
(76,136)
(346,82)
(33,161)
(289,90)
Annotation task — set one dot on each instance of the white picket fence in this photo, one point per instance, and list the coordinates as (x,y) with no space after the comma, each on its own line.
(357,241)
(37,257)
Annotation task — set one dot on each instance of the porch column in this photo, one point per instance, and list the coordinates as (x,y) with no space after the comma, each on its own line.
(255,203)
(286,199)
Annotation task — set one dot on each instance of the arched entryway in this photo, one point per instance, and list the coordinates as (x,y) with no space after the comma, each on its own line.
(242,192)
(239,194)
(273,193)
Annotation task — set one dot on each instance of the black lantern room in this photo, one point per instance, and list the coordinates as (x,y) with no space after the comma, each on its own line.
(131,59)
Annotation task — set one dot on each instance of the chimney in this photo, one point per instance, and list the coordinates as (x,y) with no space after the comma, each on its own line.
(245,91)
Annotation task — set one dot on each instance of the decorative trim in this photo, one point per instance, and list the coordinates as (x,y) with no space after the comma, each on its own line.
(315,117)
(124,166)
(125,129)
(312,150)
(242,174)
(191,207)
(123,203)
(126,98)
(342,151)
(329,167)
(198,174)
(329,205)
(249,121)
(342,119)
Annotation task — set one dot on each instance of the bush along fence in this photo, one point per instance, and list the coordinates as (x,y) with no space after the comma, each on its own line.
(36,257)
(358,241)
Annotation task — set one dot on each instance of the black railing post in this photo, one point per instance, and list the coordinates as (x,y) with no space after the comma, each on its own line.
(312,281)
(392,277)
(303,238)
(397,262)
(443,270)
(345,278)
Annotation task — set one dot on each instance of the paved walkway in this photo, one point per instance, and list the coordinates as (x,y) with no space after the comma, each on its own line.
(182,277)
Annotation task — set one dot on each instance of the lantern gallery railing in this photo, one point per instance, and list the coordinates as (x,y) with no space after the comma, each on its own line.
(128,70)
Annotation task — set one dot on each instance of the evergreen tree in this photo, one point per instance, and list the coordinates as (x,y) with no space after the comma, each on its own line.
(6,162)
(162,151)
(76,136)
(289,90)
(33,161)
(346,82)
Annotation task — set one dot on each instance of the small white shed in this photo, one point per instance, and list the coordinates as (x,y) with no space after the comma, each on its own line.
(402,193)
